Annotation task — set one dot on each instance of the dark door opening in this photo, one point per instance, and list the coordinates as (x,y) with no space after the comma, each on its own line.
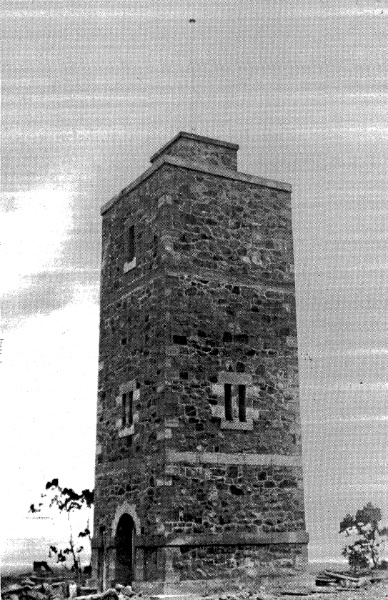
(125,550)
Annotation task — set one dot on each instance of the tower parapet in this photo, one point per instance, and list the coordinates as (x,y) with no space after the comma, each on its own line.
(197,148)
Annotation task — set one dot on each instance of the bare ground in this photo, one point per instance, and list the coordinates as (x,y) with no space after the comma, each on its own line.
(376,591)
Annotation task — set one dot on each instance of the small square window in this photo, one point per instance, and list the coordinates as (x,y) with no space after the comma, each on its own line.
(235,403)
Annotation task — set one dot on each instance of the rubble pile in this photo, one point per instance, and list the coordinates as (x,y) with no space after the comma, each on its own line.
(34,589)
(331,578)
(330,585)
(119,592)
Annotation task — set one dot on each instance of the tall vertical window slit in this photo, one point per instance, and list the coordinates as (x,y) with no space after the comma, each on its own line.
(130,243)
(228,402)
(242,403)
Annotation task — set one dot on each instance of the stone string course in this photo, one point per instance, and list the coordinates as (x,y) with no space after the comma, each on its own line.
(212,293)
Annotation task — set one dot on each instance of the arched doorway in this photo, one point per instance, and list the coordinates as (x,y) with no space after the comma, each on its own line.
(125,550)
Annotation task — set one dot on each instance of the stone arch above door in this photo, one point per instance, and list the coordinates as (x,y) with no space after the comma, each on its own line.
(122,509)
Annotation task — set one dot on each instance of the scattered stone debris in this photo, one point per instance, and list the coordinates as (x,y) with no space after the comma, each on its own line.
(330,585)
(333,585)
(126,591)
(346,580)
(338,586)
(31,589)
(119,592)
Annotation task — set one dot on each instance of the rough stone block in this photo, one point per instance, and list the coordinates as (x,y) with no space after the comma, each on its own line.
(234,378)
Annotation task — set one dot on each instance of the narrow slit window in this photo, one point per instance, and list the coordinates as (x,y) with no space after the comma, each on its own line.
(127,409)
(123,409)
(155,246)
(228,401)
(130,243)
(130,409)
(242,403)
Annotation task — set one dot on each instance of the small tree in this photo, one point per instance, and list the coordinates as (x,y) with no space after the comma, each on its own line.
(367,537)
(67,501)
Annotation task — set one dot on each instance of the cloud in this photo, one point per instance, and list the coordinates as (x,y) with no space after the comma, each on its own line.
(345,8)
(50,246)
(340,420)
(73,135)
(129,11)
(50,365)
(369,487)
(344,386)
(47,291)
(366,351)
(349,131)
(361,12)
(36,223)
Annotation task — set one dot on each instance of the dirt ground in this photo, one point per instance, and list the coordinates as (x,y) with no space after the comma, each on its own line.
(373,591)
(377,591)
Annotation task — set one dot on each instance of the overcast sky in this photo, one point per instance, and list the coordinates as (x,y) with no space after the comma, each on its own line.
(91,89)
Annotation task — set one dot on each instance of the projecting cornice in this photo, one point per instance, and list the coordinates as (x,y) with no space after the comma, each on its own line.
(201,168)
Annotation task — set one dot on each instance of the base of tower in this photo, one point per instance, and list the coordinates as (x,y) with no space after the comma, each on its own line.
(255,571)
(195,588)
(181,566)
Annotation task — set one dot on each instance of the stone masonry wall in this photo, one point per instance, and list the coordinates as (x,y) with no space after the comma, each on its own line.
(218,499)
(232,227)
(208,300)
(230,286)
(233,561)
(132,349)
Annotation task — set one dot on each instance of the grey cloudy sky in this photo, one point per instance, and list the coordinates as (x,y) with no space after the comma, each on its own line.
(91,89)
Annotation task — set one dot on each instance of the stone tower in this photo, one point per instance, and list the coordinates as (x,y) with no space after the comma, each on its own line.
(198,460)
